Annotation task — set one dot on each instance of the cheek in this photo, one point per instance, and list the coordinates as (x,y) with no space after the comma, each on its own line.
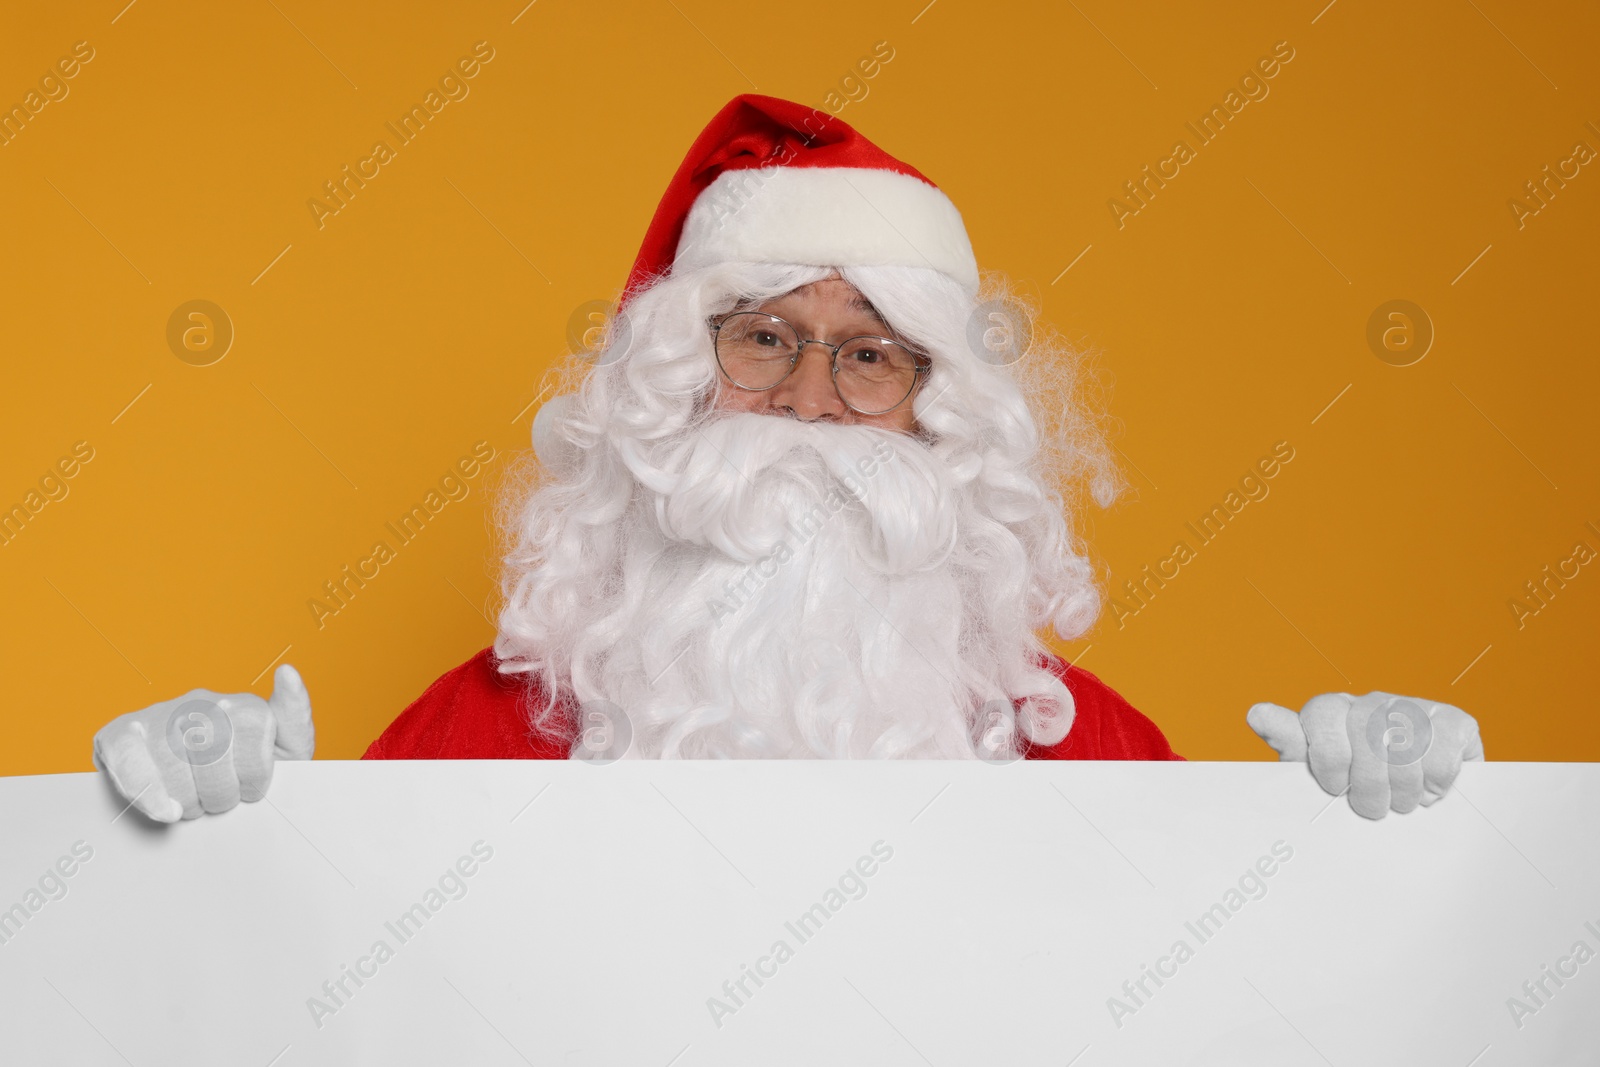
(901,418)
(729,398)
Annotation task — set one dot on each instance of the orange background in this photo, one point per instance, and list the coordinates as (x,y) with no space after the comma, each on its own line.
(1227,315)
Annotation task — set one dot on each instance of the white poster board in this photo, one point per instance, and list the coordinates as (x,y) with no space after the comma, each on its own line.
(771,913)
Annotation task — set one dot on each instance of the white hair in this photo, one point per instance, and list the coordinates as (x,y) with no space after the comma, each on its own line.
(653,507)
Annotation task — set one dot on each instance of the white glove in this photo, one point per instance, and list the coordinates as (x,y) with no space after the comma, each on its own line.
(205,751)
(1391,752)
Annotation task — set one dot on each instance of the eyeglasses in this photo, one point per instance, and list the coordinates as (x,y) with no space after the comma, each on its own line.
(872,375)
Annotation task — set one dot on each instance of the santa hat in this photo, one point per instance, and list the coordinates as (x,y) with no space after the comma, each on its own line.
(772,181)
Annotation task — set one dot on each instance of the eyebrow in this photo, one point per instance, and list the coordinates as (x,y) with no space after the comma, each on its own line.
(861,303)
(865,306)
(858,302)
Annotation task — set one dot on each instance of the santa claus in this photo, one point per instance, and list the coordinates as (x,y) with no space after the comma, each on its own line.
(809,499)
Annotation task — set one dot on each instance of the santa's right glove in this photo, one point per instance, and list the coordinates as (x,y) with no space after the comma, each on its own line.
(205,751)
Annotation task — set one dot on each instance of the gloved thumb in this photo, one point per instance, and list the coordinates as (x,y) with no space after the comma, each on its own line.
(291,710)
(1280,728)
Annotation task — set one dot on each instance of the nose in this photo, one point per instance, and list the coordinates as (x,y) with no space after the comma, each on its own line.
(808,390)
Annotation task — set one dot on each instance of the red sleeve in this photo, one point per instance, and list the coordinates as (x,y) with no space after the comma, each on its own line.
(1106,727)
(471,712)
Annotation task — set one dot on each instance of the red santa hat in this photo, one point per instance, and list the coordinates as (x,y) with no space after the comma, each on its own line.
(772,181)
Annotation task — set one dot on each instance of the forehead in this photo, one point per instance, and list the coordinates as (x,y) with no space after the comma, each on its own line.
(851,299)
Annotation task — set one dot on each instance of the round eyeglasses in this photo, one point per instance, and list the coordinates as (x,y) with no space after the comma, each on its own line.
(872,375)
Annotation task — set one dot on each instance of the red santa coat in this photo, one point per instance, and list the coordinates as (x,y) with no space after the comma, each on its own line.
(475,712)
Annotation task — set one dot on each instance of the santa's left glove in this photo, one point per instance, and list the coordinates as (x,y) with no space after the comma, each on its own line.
(204,751)
(1391,752)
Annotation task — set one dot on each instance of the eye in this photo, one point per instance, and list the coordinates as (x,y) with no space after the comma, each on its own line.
(765,338)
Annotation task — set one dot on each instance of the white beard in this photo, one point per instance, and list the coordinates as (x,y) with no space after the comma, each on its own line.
(785,589)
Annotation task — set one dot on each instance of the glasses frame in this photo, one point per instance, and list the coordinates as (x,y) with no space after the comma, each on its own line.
(923,363)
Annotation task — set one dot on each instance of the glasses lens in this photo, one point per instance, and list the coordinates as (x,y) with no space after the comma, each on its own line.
(755,350)
(875,374)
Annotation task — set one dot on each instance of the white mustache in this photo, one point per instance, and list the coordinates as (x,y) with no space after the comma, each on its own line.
(744,482)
